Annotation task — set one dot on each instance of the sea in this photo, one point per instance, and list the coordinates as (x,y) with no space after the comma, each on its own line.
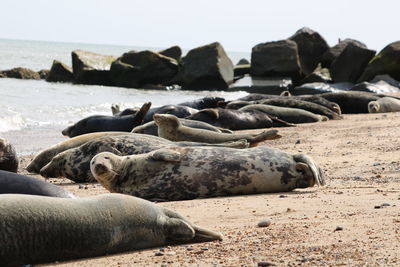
(34,112)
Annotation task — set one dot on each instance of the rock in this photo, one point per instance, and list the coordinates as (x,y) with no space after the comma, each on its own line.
(338,228)
(21,73)
(243,61)
(174,52)
(91,68)
(264,223)
(385,205)
(136,69)
(2,75)
(207,67)
(386,62)
(159,253)
(319,75)
(329,56)
(350,64)
(260,85)
(380,87)
(387,79)
(60,72)
(265,263)
(311,46)
(318,88)
(43,73)
(276,59)
(241,70)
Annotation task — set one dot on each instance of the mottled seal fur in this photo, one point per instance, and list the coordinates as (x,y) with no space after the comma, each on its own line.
(152,129)
(74,163)
(13,183)
(170,128)
(102,123)
(384,104)
(45,155)
(8,156)
(196,172)
(37,229)
(292,115)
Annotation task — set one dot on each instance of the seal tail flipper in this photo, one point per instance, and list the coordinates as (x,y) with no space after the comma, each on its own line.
(165,154)
(276,122)
(241,143)
(204,235)
(139,116)
(115,109)
(266,135)
(317,173)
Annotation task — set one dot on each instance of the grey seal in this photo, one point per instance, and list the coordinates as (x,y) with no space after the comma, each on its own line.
(8,156)
(197,172)
(170,128)
(384,104)
(74,163)
(37,229)
(13,183)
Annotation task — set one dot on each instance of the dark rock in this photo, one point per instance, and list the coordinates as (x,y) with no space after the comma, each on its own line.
(338,228)
(386,62)
(43,73)
(91,68)
(276,59)
(311,46)
(241,70)
(262,85)
(21,73)
(265,263)
(60,72)
(207,67)
(174,52)
(319,75)
(136,69)
(243,61)
(350,64)
(2,75)
(386,78)
(264,223)
(380,87)
(318,88)
(329,56)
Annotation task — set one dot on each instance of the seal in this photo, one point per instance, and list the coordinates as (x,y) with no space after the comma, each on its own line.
(384,104)
(74,163)
(8,156)
(37,229)
(351,102)
(291,115)
(237,120)
(205,102)
(13,183)
(45,155)
(102,123)
(152,129)
(197,172)
(178,111)
(170,128)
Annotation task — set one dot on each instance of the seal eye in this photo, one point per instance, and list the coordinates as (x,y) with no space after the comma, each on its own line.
(106,157)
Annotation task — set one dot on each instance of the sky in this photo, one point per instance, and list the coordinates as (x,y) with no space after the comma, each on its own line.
(237,25)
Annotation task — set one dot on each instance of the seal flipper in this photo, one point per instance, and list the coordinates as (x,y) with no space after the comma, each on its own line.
(139,116)
(166,155)
(177,230)
(266,135)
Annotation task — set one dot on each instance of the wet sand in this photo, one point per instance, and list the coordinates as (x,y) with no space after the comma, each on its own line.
(353,221)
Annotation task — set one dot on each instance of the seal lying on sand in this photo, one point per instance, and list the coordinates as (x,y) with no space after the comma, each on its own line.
(74,163)
(205,102)
(44,156)
(8,156)
(292,115)
(152,129)
(101,123)
(196,172)
(170,128)
(38,229)
(384,104)
(12,183)
(351,102)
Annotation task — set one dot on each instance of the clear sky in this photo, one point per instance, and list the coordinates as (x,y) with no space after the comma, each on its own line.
(237,25)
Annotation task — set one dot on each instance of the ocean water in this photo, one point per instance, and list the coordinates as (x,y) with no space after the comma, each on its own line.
(30,106)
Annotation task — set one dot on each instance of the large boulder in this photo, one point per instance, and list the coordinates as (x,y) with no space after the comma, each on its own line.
(174,52)
(330,55)
(91,68)
(319,75)
(276,59)
(207,67)
(60,72)
(311,46)
(135,69)
(386,62)
(350,64)
(21,73)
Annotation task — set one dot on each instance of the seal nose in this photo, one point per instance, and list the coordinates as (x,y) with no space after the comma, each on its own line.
(100,168)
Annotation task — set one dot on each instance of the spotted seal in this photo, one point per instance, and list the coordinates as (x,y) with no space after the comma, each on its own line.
(45,155)
(102,123)
(384,104)
(37,229)
(196,172)
(13,183)
(8,156)
(74,163)
(170,128)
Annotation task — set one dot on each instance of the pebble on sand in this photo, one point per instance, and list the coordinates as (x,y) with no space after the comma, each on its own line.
(264,223)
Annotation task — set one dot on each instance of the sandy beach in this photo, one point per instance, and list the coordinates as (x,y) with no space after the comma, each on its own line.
(353,221)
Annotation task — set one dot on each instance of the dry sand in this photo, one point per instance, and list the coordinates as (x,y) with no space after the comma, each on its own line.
(353,221)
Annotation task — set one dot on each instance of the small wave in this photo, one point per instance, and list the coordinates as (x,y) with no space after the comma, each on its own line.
(11,123)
